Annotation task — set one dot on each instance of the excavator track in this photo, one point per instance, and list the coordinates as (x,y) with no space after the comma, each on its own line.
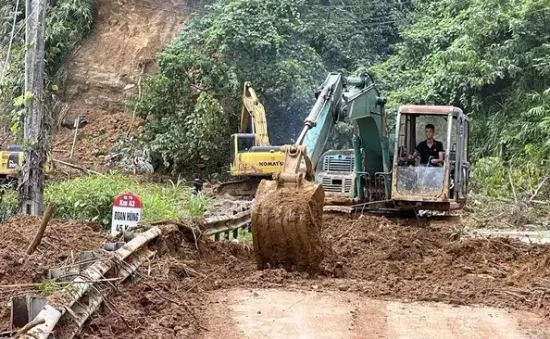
(245,188)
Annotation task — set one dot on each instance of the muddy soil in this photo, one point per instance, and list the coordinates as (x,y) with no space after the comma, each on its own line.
(286,226)
(105,70)
(61,240)
(371,257)
(164,299)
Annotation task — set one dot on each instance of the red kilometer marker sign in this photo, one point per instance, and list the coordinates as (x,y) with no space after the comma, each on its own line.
(127,211)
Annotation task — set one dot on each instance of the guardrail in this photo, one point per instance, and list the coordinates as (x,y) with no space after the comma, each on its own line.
(81,297)
(229,226)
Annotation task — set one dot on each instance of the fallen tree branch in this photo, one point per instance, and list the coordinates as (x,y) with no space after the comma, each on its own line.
(202,280)
(538,189)
(38,238)
(76,167)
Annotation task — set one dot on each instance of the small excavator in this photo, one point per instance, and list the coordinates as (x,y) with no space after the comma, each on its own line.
(253,157)
(376,175)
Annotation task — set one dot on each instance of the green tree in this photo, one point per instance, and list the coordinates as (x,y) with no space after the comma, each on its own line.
(285,48)
(68,21)
(194,101)
(483,56)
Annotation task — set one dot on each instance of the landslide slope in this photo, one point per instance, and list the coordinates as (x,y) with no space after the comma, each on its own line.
(105,69)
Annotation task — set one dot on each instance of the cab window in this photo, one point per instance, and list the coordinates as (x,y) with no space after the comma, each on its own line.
(245,143)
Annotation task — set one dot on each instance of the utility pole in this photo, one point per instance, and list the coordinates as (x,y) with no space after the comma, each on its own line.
(31,182)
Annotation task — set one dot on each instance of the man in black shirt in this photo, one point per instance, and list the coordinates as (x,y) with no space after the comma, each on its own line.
(429,148)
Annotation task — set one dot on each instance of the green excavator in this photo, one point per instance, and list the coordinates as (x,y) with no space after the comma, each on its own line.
(378,174)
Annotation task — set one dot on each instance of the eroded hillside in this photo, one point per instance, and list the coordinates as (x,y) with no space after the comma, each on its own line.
(105,69)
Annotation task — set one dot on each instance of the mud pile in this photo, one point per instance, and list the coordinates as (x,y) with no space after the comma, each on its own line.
(165,298)
(404,259)
(61,240)
(411,260)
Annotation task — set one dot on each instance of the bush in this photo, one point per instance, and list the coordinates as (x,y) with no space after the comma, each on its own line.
(8,203)
(91,198)
(496,178)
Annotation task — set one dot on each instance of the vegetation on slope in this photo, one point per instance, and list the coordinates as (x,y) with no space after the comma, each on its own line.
(491,58)
(283,47)
(68,21)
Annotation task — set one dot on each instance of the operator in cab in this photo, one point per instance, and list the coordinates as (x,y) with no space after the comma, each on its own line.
(431,151)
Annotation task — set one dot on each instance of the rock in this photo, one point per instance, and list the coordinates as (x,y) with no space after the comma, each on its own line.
(343,287)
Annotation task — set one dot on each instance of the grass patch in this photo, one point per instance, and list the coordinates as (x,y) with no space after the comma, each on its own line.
(91,198)
(197,206)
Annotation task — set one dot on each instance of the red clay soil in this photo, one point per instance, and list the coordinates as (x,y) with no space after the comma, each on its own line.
(404,260)
(60,240)
(373,256)
(164,299)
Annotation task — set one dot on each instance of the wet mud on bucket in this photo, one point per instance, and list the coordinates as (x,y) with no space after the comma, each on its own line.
(286,226)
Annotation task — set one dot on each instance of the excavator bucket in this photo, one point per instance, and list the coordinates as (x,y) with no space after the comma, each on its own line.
(286,220)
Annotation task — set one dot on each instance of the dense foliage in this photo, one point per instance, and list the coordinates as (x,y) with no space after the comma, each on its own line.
(67,22)
(283,47)
(491,58)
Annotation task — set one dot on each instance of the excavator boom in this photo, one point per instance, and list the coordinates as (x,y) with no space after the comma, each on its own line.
(253,118)
(253,159)
(288,210)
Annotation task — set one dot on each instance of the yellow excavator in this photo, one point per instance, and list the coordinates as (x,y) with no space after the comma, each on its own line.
(11,160)
(252,156)
(377,175)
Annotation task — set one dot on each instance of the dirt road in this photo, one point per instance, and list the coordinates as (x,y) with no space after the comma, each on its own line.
(263,313)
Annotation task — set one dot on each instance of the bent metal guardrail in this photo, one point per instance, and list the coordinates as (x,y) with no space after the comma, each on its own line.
(122,263)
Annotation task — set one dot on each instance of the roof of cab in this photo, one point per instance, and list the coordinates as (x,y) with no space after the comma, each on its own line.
(428,109)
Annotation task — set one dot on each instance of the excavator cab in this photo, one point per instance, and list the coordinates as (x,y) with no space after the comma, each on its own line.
(247,159)
(422,184)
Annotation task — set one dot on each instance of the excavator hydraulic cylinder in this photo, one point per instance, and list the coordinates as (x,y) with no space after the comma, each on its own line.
(358,164)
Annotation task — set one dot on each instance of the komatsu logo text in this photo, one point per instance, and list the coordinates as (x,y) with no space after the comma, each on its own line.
(271,163)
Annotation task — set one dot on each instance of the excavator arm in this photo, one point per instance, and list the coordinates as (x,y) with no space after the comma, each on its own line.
(352,99)
(253,118)
(287,212)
